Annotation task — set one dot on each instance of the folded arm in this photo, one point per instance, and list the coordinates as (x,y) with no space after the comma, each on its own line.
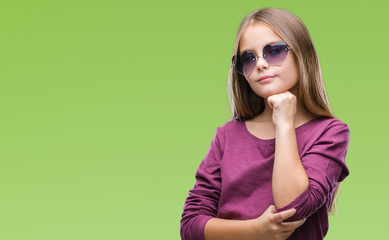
(306,184)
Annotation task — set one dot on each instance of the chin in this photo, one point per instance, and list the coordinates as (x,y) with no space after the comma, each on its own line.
(268,94)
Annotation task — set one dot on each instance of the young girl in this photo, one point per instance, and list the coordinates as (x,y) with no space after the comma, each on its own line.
(273,171)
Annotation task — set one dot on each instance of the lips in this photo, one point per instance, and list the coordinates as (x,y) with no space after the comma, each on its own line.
(264,77)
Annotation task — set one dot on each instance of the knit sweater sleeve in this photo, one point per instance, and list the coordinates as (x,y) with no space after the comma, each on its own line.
(325,166)
(203,200)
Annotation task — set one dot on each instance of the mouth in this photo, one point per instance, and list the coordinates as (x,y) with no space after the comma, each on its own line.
(263,78)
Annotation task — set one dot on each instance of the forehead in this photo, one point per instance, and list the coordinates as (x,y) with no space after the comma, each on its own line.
(256,36)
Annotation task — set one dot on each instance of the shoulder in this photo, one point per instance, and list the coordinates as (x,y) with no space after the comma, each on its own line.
(326,125)
(230,127)
(325,130)
(231,124)
(327,122)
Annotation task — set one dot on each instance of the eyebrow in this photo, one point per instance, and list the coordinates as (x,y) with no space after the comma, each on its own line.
(265,45)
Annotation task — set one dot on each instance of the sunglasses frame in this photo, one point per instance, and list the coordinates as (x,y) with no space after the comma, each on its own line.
(238,56)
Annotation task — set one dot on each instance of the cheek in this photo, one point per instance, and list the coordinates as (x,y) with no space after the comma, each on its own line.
(291,73)
(291,77)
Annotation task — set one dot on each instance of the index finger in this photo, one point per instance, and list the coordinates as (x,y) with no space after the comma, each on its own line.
(279,217)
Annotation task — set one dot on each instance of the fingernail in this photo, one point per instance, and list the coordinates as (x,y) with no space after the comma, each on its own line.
(305,219)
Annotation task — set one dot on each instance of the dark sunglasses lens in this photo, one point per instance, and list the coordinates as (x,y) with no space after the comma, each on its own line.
(245,63)
(276,54)
(248,62)
(237,64)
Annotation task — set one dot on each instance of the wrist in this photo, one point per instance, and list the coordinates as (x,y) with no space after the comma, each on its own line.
(251,228)
(254,228)
(218,228)
(287,126)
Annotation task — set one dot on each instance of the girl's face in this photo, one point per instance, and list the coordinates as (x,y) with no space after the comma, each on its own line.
(286,76)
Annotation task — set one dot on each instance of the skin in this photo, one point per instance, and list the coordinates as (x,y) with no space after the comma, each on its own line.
(283,110)
(268,226)
(283,113)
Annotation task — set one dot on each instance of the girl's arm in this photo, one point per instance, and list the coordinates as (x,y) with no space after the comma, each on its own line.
(199,218)
(268,226)
(324,164)
(289,176)
(202,203)
(308,182)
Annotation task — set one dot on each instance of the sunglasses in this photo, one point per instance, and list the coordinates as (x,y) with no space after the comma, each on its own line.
(274,54)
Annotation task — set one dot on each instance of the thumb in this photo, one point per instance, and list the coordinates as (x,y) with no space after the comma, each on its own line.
(271,209)
(286,214)
(270,102)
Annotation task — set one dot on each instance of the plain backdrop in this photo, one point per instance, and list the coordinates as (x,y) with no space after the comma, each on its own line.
(108,107)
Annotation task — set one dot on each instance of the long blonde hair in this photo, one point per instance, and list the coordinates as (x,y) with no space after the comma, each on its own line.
(246,104)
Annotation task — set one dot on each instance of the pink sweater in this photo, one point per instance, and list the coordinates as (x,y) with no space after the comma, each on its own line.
(234,180)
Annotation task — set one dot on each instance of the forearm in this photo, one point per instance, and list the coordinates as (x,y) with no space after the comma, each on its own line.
(225,229)
(289,176)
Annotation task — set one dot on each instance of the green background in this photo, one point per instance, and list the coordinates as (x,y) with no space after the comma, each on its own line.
(108,107)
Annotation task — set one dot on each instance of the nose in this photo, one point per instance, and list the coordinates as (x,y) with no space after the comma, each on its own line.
(262,63)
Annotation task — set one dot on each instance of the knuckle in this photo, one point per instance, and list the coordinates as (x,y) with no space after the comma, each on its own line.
(274,228)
